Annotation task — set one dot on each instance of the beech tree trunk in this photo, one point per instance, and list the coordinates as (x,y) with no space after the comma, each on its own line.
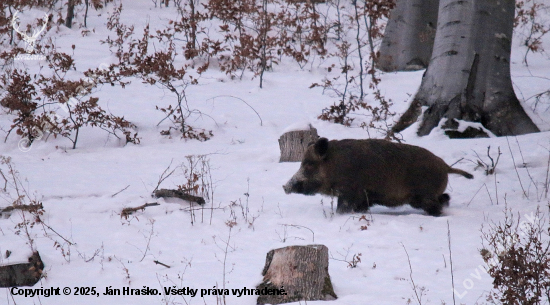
(70,13)
(301,270)
(468,77)
(409,36)
(293,144)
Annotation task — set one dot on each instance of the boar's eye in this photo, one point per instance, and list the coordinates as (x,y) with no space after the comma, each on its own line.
(308,165)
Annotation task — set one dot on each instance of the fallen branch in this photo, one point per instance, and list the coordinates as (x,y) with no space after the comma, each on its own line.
(113,195)
(129,211)
(21,207)
(159,263)
(165,193)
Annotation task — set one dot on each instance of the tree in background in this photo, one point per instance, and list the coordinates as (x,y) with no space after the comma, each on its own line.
(468,77)
(409,37)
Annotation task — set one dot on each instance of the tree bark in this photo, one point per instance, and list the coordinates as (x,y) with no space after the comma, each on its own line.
(129,211)
(293,144)
(469,73)
(26,274)
(70,13)
(301,270)
(6,212)
(87,4)
(166,193)
(409,36)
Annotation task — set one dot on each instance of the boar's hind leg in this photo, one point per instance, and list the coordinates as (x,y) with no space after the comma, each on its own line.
(444,199)
(433,208)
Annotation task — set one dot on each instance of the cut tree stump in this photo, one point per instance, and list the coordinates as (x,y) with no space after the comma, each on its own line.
(293,144)
(26,274)
(302,271)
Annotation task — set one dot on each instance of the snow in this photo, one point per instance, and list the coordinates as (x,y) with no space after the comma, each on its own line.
(77,186)
(298,126)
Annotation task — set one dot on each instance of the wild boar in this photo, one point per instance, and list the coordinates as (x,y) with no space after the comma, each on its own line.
(366,172)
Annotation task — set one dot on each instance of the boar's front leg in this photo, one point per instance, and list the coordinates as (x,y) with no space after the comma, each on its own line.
(353,202)
(344,205)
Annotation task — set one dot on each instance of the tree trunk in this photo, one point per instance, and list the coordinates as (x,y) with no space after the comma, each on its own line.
(302,271)
(409,36)
(26,274)
(469,73)
(293,144)
(87,4)
(70,13)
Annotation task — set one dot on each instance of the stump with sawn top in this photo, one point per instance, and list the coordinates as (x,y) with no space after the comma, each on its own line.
(293,144)
(302,271)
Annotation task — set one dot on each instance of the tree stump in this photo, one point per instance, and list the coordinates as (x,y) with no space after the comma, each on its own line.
(293,144)
(26,274)
(302,271)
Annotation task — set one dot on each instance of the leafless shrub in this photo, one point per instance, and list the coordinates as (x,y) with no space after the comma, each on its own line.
(35,102)
(517,253)
(169,283)
(419,291)
(246,215)
(529,21)
(355,259)
(488,168)
(125,270)
(15,192)
(359,27)
(258,33)
(226,248)
(197,181)
(152,58)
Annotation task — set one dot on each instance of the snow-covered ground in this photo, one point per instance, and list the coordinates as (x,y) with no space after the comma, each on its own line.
(77,186)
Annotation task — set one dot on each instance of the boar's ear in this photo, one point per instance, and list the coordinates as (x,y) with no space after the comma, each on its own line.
(321,147)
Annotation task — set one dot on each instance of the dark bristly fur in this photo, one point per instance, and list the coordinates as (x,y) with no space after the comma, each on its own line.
(366,172)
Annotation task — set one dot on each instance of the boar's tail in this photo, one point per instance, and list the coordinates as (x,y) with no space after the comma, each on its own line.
(460,172)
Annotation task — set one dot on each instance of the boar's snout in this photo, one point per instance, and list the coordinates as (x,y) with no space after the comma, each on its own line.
(296,183)
(292,186)
(302,185)
(286,189)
